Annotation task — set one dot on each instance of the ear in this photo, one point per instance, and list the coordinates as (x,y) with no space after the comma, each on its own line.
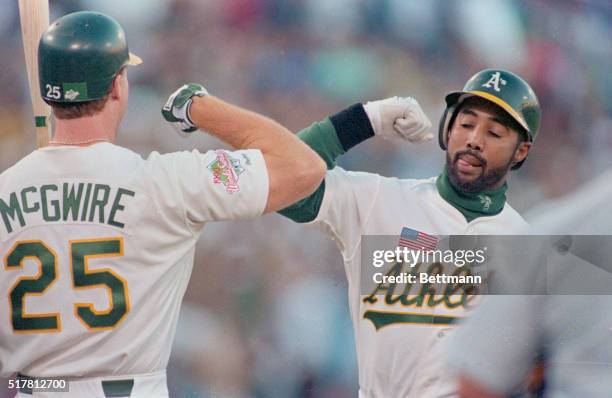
(521,152)
(116,89)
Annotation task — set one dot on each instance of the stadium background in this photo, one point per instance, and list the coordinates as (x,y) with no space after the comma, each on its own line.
(266,313)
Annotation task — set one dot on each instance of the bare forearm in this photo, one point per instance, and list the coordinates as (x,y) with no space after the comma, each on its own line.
(294,170)
(236,126)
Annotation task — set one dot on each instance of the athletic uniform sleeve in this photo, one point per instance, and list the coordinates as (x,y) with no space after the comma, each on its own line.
(342,202)
(329,138)
(214,186)
(346,206)
(321,137)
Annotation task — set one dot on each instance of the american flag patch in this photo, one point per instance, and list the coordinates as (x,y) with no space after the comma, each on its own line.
(416,240)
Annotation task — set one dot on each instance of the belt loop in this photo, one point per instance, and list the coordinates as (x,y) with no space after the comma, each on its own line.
(117,388)
(23,387)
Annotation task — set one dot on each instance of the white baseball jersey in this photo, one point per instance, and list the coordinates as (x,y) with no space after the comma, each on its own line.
(98,247)
(398,338)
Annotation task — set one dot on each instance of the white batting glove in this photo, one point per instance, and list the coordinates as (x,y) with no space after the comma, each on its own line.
(176,108)
(399,116)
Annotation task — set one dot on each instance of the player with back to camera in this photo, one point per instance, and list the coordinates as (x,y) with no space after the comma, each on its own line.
(487,129)
(97,242)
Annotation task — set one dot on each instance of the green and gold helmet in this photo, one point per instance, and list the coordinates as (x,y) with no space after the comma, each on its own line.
(79,55)
(505,89)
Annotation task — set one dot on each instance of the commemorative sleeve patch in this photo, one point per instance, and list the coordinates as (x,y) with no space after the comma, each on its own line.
(226,170)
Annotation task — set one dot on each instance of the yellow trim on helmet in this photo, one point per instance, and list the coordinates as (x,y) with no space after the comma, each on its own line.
(504,105)
(134,60)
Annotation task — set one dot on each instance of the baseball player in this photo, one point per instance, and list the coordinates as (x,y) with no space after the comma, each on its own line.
(97,243)
(487,129)
(565,313)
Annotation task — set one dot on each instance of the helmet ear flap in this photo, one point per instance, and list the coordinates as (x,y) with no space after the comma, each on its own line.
(445,122)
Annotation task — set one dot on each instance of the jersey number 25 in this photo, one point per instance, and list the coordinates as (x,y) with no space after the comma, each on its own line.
(82,278)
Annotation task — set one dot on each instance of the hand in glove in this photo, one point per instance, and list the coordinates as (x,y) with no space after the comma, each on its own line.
(399,116)
(176,108)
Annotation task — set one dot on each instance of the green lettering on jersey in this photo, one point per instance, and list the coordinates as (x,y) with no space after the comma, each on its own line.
(71,201)
(99,203)
(464,292)
(86,202)
(381,319)
(45,203)
(47,274)
(451,295)
(415,300)
(24,200)
(117,206)
(85,278)
(388,288)
(11,210)
(428,288)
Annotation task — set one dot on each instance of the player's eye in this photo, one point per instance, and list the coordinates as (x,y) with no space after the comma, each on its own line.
(494,134)
(467,125)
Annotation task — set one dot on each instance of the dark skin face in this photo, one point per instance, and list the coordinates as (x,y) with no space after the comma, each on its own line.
(482,147)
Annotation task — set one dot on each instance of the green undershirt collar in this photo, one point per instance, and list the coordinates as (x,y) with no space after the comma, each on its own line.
(472,205)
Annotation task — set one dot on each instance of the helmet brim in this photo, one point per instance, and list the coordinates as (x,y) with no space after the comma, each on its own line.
(460,96)
(134,60)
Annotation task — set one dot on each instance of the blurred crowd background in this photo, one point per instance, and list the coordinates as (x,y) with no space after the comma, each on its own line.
(266,313)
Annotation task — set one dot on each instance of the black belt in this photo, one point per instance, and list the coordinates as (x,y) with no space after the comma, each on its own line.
(111,388)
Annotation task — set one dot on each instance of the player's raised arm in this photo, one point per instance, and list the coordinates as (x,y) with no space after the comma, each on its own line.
(394,117)
(294,170)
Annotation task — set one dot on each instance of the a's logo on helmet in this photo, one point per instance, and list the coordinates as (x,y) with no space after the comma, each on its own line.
(71,95)
(495,81)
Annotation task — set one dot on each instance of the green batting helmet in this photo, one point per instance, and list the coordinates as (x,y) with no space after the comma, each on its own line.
(506,90)
(79,55)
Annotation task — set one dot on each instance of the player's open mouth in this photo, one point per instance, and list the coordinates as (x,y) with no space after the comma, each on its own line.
(468,163)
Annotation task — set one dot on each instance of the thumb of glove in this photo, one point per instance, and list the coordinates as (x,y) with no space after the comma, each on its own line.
(176,108)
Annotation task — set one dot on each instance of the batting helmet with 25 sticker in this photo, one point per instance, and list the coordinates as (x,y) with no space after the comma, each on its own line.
(79,55)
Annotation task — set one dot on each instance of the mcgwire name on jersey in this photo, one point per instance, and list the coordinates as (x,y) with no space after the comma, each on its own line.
(84,202)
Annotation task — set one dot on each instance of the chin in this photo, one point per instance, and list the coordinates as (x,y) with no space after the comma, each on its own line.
(467,178)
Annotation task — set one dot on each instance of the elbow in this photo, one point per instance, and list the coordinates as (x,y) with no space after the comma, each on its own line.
(293,177)
(312,172)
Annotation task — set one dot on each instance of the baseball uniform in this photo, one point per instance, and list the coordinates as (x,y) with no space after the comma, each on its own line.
(398,336)
(97,246)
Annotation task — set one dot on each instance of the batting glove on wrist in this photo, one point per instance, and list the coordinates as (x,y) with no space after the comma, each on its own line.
(176,108)
(399,116)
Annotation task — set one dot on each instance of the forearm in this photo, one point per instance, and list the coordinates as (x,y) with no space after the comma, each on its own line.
(333,136)
(238,127)
(352,126)
(294,170)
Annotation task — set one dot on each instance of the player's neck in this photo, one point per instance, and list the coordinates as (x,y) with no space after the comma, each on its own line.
(84,131)
(471,205)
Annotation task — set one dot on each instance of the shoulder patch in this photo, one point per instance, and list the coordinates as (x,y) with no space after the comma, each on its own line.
(226,170)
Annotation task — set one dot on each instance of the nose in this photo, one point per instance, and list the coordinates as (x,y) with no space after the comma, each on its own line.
(475,139)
